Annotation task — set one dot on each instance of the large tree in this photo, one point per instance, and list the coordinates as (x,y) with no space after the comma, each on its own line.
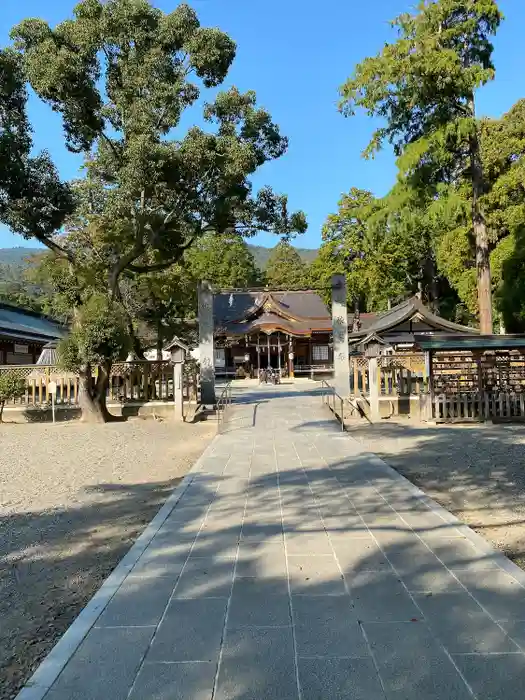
(285,268)
(423,87)
(381,245)
(121,74)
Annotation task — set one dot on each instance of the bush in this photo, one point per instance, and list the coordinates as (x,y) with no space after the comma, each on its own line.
(99,335)
(12,387)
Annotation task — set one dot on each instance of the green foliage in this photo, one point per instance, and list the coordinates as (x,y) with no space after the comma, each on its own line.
(422,84)
(509,257)
(121,74)
(382,246)
(262,255)
(99,336)
(12,387)
(422,88)
(224,260)
(285,268)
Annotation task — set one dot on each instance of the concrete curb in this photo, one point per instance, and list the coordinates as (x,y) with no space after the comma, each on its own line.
(54,663)
(477,540)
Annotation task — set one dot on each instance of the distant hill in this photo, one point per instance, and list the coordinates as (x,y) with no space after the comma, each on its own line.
(262,254)
(16,257)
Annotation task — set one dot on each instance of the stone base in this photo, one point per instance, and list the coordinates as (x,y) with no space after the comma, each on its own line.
(162,409)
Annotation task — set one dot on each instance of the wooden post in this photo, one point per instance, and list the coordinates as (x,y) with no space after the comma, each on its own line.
(178,399)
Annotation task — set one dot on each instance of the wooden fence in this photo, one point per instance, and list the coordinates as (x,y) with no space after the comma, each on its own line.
(399,375)
(475,406)
(139,381)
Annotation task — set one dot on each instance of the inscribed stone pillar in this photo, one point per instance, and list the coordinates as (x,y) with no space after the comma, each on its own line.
(206,349)
(373,381)
(340,336)
(178,398)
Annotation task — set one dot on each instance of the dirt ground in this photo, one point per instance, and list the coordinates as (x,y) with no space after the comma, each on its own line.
(73,498)
(476,471)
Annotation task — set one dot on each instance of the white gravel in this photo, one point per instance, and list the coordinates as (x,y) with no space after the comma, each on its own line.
(73,498)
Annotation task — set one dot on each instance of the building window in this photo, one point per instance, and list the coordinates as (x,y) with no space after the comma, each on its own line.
(320,353)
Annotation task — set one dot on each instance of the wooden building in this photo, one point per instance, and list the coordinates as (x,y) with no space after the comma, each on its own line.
(23,335)
(289,330)
(292,330)
(396,328)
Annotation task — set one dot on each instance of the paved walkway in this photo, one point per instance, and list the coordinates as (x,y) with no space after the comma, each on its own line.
(296,566)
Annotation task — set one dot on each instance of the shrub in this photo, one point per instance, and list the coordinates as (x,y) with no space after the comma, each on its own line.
(12,387)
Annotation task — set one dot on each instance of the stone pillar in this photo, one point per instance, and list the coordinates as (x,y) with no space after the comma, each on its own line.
(340,336)
(373,379)
(206,349)
(178,398)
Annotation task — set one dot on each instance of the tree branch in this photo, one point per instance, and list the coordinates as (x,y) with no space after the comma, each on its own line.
(61,252)
(156,267)
(111,145)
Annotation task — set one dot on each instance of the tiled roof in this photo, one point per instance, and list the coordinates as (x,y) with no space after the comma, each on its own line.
(21,324)
(294,312)
(382,322)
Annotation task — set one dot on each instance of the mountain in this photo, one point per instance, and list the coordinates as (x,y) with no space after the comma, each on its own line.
(262,254)
(17,257)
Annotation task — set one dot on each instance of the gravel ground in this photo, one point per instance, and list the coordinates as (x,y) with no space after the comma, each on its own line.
(475,471)
(73,498)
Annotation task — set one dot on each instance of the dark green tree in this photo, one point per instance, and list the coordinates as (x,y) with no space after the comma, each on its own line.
(423,87)
(121,74)
(224,260)
(285,268)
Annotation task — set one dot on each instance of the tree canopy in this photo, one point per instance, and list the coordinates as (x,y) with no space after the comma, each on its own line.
(121,74)
(285,268)
(423,87)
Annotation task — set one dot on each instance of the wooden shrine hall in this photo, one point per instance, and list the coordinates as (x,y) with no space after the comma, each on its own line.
(285,330)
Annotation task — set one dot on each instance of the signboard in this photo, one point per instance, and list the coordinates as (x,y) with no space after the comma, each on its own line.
(20,348)
(220,358)
(52,387)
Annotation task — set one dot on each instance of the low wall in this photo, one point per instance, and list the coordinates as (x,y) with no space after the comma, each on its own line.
(164,409)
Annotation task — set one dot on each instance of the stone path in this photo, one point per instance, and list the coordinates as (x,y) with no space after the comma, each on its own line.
(297,566)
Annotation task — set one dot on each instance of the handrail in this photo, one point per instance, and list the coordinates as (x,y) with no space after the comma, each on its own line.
(225,400)
(331,392)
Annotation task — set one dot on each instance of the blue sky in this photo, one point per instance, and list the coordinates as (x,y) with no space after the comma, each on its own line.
(295,54)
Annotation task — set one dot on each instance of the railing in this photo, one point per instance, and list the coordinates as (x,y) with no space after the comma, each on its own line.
(312,370)
(331,398)
(225,400)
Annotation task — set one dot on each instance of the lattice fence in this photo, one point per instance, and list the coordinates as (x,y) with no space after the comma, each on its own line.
(129,381)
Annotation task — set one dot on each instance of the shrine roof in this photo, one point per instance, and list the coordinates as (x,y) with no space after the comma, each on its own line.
(292,312)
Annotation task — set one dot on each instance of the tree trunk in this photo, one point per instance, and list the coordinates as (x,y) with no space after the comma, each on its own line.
(159,341)
(480,234)
(2,404)
(92,398)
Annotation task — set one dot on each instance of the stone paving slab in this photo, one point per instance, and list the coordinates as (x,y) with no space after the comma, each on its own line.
(293,565)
